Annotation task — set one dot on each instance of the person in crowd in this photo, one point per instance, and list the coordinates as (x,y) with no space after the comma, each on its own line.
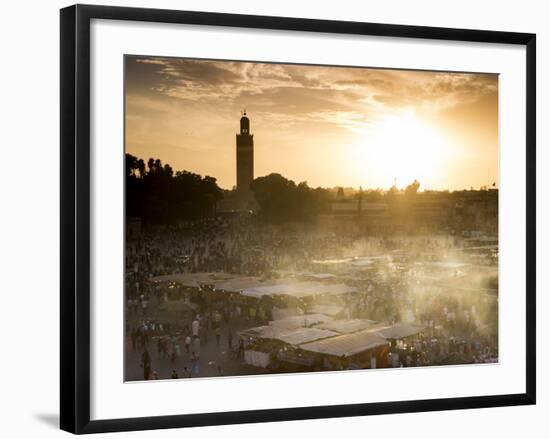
(195,328)
(194,364)
(230,338)
(218,333)
(160,348)
(187,344)
(146,364)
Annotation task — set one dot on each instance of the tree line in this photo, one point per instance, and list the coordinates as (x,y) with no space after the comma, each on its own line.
(157,195)
(281,199)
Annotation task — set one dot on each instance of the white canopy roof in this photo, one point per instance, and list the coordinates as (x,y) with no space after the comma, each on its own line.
(349,326)
(346,345)
(238,284)
(322,275)
(292,336)
(298,289)
(323,340)
(265,331)
(305,335)
(300,321)
(194,279)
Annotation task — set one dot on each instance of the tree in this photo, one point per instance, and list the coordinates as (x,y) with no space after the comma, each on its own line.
(141,167)
(131,163)
(280,199)
(275,195)
(157,196)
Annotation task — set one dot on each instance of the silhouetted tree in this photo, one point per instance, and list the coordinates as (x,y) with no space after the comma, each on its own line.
(157,196)
(280,199)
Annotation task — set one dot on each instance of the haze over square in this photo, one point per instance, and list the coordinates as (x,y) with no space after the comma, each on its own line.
(329,126)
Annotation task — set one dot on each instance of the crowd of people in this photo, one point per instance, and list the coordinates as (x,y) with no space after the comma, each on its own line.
(460,324)
(178,351)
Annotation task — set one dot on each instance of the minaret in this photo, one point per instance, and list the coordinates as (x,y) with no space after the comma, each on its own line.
(245,157)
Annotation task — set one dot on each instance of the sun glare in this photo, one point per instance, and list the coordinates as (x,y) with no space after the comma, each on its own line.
(397,149)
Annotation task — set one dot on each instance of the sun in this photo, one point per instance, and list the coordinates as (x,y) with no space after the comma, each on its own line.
(397,149)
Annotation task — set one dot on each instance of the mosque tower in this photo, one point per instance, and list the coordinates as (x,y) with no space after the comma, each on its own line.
(245,157)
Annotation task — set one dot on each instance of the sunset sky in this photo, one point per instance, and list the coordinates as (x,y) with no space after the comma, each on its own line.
(329,126)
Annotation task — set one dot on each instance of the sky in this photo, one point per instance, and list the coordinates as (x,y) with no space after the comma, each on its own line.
(326,125)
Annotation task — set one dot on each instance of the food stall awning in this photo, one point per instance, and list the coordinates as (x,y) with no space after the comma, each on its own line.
(298,289)
(305,274)
(300,321)
(292,336)
(321,276)
(194,280)
(304,335)
(346,345)
(236,285)
(266,331)
(356,261)
(348,326)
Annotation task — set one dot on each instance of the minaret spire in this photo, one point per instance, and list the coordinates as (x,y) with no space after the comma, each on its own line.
(245,155)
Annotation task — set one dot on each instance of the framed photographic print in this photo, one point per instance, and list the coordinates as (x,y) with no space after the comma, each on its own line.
(286,218)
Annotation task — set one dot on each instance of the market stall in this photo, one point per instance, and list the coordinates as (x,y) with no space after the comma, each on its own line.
(277,347)
(363,349)
(349,326)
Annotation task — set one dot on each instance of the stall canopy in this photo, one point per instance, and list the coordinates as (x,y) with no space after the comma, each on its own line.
(322,275)
(294,336)
(306,274)
(194,280)
(304,335)
(356,261)
(400,330)
(256,287)
(236,285)
(298,289)
(300,321)
(348,326)
(265,332)
(346,345)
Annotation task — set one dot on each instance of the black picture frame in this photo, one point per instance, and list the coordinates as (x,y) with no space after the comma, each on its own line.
(75,217)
